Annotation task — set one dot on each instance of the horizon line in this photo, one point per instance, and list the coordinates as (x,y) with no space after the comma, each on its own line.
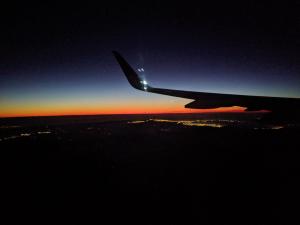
(116,114)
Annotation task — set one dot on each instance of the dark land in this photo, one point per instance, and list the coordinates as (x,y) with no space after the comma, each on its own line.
(149,169)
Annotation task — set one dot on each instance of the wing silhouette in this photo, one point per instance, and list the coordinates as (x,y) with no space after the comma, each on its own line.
(206,100)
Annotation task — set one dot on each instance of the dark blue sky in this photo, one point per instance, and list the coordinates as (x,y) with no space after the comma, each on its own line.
(54,55)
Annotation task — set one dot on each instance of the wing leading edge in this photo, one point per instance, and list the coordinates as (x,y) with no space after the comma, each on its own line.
(205,100)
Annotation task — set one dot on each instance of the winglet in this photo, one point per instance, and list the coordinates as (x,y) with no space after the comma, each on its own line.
(132,77)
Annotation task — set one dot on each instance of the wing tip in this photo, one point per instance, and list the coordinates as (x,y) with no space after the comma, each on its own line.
(131,75)
(115,52)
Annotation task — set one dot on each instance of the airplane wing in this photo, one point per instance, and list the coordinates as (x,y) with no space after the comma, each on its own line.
(205,100)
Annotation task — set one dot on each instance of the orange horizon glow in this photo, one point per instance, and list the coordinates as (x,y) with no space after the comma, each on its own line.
(65,111)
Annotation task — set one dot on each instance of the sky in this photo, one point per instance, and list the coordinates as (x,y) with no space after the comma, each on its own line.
(56,59)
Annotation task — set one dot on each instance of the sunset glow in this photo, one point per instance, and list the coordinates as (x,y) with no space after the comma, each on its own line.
(40,109)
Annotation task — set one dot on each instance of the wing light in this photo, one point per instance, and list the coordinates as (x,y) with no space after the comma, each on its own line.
(145,84)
